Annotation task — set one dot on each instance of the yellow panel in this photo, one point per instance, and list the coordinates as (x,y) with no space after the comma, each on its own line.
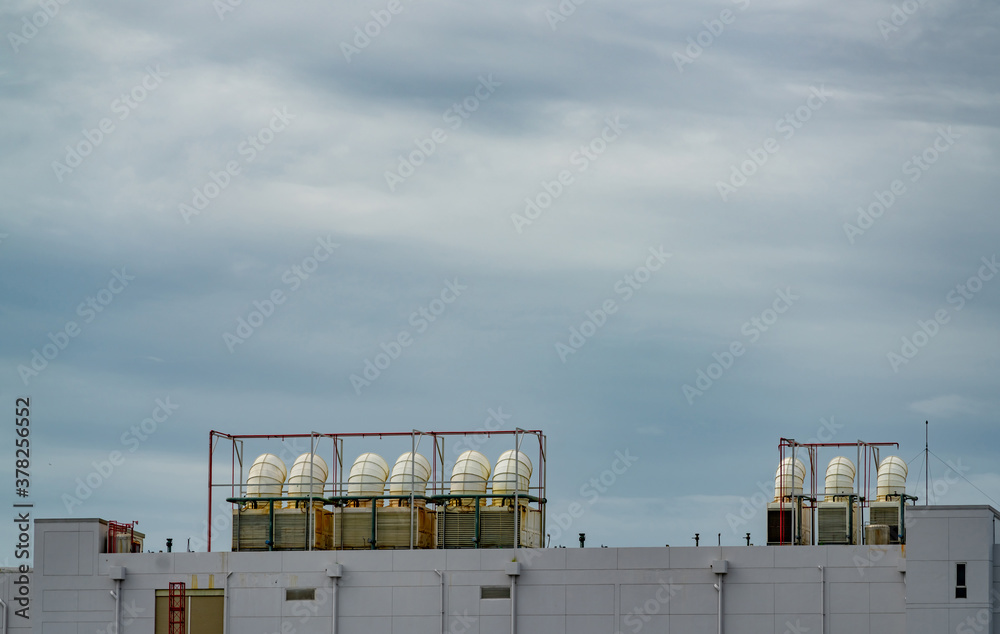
(161,623)
(206,615)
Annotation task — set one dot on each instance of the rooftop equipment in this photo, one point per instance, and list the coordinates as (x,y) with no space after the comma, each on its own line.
(307,476)
(839,515)
(839,478)
(788,479)
(891,478)
(470,476)
(838,519)
(369,506)
(511,475)
(786,521)
(409,476)
(888,507)
(267,474)
(368,475)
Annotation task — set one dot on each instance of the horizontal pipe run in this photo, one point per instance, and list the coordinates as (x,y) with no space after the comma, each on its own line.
(351,498)
(380,435)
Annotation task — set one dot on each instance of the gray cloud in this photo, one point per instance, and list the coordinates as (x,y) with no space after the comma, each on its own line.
(324,174)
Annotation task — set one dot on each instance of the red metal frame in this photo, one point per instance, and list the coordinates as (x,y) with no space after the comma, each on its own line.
(120,528)
(213,435)
(866,451)
(176,598)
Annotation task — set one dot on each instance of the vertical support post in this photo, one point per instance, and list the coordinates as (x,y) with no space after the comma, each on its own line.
(270,524)
(310,538)
(518,434)
(543,451)
(211,437)
(902,520)
(477,499)
(797,516)
(413,478)
(850,519)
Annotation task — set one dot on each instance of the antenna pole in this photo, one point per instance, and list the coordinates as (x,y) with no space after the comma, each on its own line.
(926,463)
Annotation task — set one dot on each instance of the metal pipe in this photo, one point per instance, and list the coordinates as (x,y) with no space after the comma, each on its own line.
(517,483)
(413,478)
(225,602)
(333,608)
(513,604)
(309,518)
(270,525)
(414,443)
(850,520)
(718,588)
(441,574)
(789,441)
(350,498)
(211,435)
(822,599)
(796,517)
(542,480)
(368,434)
(3,616)
(477,522)
(118,605)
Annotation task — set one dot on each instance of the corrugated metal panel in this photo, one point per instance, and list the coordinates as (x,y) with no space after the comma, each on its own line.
(496,528)
(888,515)
(393,528)
(456,529)
(251,528)
(833,524)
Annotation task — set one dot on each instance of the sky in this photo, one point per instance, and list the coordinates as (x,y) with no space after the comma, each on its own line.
(665,234)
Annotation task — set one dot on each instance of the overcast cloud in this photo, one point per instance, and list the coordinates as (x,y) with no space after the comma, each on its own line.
(679,230)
